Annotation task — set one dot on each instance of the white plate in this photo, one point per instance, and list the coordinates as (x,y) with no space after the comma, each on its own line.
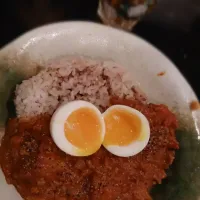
(141,59)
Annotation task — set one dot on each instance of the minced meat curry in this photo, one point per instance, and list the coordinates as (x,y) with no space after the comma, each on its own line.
(40,171)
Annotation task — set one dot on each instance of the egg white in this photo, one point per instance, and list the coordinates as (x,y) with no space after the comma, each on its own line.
(57,126)
(136,146)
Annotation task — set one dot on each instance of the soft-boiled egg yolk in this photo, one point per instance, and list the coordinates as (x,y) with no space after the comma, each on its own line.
(120,121)
(127,131)
(83,129)
(78,128)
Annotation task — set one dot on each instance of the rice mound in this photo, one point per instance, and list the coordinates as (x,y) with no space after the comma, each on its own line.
(65,80)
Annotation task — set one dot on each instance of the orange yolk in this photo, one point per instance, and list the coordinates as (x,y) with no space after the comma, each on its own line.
(83,129)
(122,127)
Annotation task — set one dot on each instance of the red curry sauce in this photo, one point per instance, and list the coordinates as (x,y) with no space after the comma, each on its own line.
(40,171)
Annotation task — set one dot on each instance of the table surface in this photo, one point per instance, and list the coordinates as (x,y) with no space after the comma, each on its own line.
(173,26)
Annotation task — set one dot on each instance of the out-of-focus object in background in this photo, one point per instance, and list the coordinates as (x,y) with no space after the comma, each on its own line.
(123,14)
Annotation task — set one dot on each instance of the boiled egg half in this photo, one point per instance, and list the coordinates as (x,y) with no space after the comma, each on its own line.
(78,128)
(127,131)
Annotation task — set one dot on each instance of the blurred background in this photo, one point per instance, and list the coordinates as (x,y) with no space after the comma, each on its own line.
(173,26)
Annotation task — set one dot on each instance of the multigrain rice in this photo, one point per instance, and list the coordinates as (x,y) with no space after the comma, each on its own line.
(65,80)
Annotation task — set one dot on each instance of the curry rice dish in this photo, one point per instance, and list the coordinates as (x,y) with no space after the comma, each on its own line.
(39,170)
